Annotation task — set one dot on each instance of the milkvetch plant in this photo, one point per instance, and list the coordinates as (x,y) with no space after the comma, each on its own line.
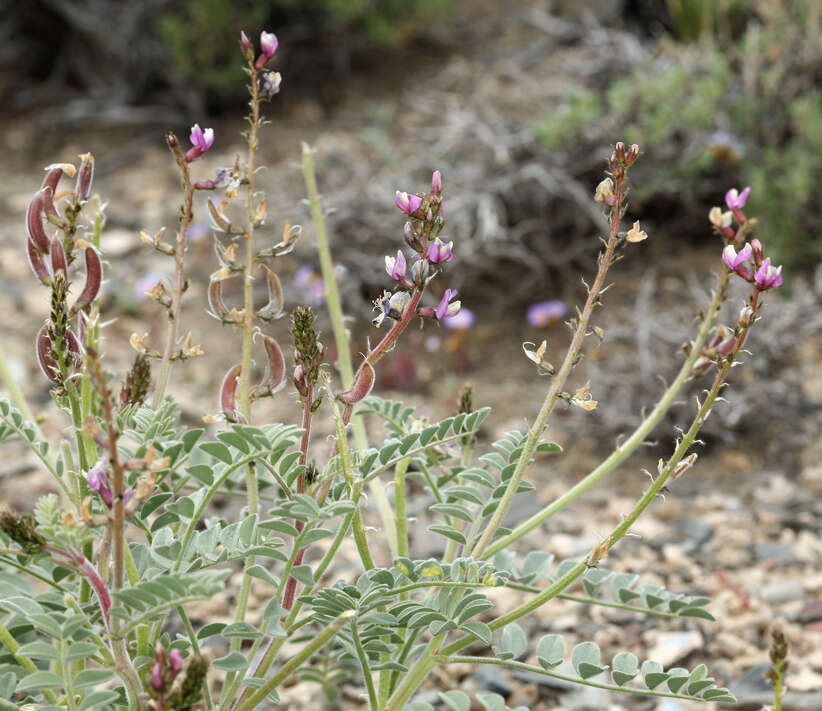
(99,583)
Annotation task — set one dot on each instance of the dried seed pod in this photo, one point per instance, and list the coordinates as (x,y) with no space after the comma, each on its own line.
(94,277)
(58,257)
(34,222)
(44,358)
(228,393)
(37,263)
(275,375)
(362,385)
(215,301)
(219,220)
(274,308)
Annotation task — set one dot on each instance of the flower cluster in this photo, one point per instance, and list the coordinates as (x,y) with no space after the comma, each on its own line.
(761,273)
(421,234)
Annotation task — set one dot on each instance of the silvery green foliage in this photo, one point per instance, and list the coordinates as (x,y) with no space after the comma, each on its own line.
(187,552)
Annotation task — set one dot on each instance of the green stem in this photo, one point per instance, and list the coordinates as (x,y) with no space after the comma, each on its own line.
(511,664)
(65,667)
(11,644)
(558,381)
(373,705)
(400,520)
(621,453)
(259,695)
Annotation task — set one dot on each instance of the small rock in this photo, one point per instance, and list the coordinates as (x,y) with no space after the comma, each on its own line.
(811,611)
(693,530)
(585,698)
(670,647)
(493,679)
(772,551)
(783,591)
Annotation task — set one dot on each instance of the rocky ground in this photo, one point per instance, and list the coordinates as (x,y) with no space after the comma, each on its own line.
(743,527)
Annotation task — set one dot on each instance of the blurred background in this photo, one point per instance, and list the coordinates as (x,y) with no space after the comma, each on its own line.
(517,103)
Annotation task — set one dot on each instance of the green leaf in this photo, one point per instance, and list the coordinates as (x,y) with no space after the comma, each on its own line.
(676,678)
(624,667)
(586,659)
(98,698)
(91,677)
(211,629)
(479,630)
(231,662)
(652,674)
(492,702)
(456,700)
(241,630)
(550,650)
(513,641)
(696,612)
(312,535)
(233,439)
(548,447)
(39,680)
(456,510)
(303,574)
(80,650)
(217,450)
(388,666)
(38,650)
(257,571)
(190,439)
(448,532)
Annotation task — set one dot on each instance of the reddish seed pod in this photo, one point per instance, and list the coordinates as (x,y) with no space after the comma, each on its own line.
(34,222)
(362,385)
(85,177)
(275,377)
(58,257)
(44,359)
(53,175)
(37,263)
(94,277)
(228,393)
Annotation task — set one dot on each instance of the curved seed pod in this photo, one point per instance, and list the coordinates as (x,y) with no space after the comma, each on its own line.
(94,277)
(53,174)
(85,177)
(362,385)
(215,300)
(218,220)
(274,308)
(228,393)
(43,349)
(58,256)
(34,222)
(37,263)
(275,375)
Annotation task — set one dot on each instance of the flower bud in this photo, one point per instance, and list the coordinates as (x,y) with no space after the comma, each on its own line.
(396,267)
(419,273)
(436,183)
(175,659)
(746,317)
(268,45)
(411,237)
(245,43)
(756,246)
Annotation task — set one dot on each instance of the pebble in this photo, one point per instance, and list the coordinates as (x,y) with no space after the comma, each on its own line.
(772,551)
(493,679)
(671,647)
(783,591)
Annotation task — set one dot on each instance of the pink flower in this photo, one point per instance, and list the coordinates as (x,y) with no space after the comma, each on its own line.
(175,659)
(157,676)
(407,203)
(201,140)
(461,321)
(97,480)
(736,200)
(768,276)
(445,307)
(396,267)
(245,43)
(734,260)
(439,251)
(545,313)
(268,44)
(436,183)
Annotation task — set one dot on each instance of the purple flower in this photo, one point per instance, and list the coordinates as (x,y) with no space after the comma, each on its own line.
(310,284)
(245,43)
(407,203)
(396,267)
(439,251)
(734,260)
(268,44)
(157,676)
(461,321)
(545,313)
(445,308)
(201,140)
(271,83)
(97,480)
(736,200)
(436,183)
(768,276)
